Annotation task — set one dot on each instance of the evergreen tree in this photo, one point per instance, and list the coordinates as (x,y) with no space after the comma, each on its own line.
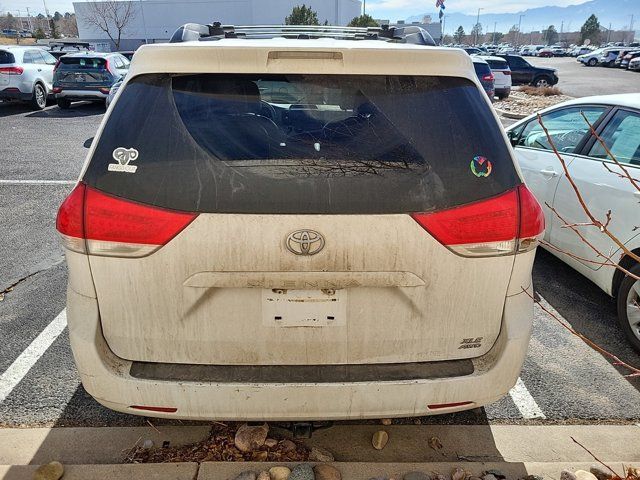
(302,15)
(363,21)
(590,30)
(550,35)
(458,36)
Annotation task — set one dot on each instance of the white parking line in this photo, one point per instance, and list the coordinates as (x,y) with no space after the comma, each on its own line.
(525,402)
(37,182)
(27,359)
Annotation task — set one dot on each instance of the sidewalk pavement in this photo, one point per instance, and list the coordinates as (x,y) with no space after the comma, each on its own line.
(96,453)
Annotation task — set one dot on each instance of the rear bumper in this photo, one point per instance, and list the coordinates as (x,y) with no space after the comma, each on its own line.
(82,95)
(11,93)
(505,91)
(109,380)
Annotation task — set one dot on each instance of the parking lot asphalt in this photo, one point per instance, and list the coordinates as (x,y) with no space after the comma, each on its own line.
(563,379)
(576,80)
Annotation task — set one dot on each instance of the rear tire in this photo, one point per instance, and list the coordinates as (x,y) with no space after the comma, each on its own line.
(63,103)
(592,62)
(39,97)
(628,311)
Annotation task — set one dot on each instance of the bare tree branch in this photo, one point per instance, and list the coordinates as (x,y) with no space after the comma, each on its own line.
(111,16)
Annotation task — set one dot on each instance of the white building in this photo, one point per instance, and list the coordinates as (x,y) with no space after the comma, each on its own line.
(156,20)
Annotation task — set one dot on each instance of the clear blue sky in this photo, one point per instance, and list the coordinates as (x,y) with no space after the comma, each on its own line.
(392,9)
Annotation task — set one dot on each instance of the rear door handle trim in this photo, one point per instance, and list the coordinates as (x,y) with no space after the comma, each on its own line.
(549,173)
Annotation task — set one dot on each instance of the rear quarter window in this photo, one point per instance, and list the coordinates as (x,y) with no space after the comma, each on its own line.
(6,57)
(304,144)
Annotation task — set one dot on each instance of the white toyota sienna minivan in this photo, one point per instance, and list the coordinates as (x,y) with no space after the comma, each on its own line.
(297,228)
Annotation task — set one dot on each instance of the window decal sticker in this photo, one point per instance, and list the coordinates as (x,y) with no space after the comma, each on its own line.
(480,166)
(123,156)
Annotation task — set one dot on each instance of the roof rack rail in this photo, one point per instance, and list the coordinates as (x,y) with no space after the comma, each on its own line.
(216,31)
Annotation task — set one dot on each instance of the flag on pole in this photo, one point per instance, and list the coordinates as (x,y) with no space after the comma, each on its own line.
(439,3)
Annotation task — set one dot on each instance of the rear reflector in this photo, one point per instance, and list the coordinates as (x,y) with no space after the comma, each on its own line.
(155,409)
(104,90)
(99,224)
(506,72)
(437,406)
(57,89)
(503,225)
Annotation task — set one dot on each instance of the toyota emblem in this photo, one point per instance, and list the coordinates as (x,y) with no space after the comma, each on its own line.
(304,242)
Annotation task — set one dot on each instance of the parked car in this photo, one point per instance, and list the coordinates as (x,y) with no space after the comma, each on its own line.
(474,51)
(590,59)
(581,50)
(113,90)
(485,75)
(218,261)
(558,51)
(624,60)
(523,73)
(26,75)
(127,53)
(609,55)
(526,51)
(87,76)
(634,65)
(616,119)
(502,75)
(545,52)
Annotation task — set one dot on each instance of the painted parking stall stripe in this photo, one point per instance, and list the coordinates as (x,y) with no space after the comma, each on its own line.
(525,403)
(28,358)
(37,182)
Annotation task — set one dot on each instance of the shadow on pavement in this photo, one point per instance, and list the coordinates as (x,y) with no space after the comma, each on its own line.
(588,309)
(80,109)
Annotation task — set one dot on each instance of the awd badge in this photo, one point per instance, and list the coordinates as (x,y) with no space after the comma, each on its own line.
(123,156)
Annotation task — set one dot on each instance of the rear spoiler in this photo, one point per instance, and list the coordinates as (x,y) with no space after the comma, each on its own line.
(191,32)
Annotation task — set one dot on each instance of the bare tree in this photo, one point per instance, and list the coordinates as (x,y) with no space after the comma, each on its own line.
(112,17)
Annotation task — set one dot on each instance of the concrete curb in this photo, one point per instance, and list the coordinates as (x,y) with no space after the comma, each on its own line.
(349,471)
(513,116)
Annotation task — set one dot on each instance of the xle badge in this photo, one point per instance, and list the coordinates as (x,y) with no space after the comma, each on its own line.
(480,166)
(470,343)
(123,156)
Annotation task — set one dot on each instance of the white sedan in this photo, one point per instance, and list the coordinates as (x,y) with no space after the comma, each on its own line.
(602,183)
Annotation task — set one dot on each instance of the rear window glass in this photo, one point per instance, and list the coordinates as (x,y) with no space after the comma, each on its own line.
(481,69)
(268,143)
(6,57)
(82,63)
(497,64)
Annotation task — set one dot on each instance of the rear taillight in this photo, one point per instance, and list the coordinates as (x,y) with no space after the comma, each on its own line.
(57,89)
(504,225)
(92,222)
(104,90)
(56,65)
(12,70)
(488,78)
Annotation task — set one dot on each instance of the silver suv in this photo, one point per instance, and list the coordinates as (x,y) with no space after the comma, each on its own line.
(26,74)
(299,228)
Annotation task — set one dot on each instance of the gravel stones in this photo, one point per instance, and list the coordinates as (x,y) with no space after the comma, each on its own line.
(248,475)
(302,471)
(567,475)
(50,471)
(319,454)
(324,471)
(416,476)
(380,439)
(279,473)
(600,473)
(250,438)
(584,475)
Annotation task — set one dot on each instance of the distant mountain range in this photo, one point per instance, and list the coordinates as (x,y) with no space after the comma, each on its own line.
(616,12)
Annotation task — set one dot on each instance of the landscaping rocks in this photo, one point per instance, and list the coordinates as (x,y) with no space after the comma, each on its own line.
(302,471)
(248,475)
(496,473)
(50,471)
(324,471)
(386,421)
(567,475)
(270,442)
(264,475)
(287,445)
(416,476)
(380,439)
(279,473)
(250,438)
(319,454)
(523,104)
(600,473)
(458,474)
(584,475)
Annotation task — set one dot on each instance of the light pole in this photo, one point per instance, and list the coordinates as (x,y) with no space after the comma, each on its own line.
(477,23)
(519,27)
(144,24)
(494,32)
